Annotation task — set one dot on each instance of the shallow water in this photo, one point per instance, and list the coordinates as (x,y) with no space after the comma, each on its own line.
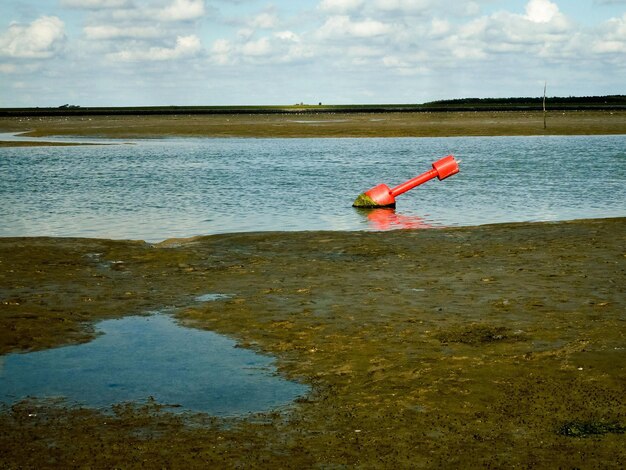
(211,297)
(157,189)
(138,358)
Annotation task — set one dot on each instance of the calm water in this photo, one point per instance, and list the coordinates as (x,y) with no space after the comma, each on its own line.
(136,358)
(158,189)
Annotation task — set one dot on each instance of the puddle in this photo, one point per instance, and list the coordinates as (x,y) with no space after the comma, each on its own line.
(212,297)
(140,358)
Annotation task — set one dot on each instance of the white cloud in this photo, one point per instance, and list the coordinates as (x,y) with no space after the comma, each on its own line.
(279,48)
(287,36)
(543,31)
(362,52)
(8,68)
(297,53)
(616,28)
(439,27)
(425,37)
(541,11)
(182,10)
(116,32)
(342,26)
(609,47)
(245,34)
(95,4)
(340,6)
(221,52)
(186,47)
(475,28)
(42,39)
(142,31)
(144,11)
(405,6)
(470,8)
(394,61)
(260,47)
(265,20)
(613,38)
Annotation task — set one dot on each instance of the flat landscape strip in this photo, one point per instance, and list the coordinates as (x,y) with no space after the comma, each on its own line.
(391,124)
(43,143)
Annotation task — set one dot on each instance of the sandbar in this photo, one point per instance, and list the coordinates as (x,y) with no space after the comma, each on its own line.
(293,125)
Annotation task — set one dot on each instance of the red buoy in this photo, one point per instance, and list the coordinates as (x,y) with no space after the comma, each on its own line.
(382,196)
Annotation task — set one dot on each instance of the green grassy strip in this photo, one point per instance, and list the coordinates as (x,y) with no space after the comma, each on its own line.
(613,102)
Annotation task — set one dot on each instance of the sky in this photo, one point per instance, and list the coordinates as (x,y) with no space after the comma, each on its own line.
(281,52)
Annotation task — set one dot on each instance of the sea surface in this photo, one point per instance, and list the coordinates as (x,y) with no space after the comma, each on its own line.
(180,187)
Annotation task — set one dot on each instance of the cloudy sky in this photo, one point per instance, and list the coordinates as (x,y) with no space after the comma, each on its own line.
(232,52)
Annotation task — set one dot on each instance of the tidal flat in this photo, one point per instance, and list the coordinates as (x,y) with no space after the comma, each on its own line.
(496,346)
(310,124)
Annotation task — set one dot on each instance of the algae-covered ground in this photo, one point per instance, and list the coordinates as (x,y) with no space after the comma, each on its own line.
(485,347)
(310,124)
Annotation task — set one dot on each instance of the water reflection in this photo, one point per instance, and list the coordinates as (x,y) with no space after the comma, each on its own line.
(140,358)
(388,219)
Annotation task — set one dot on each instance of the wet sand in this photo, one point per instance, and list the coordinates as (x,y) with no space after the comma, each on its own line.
(484,347)
(43,143)
(410,124)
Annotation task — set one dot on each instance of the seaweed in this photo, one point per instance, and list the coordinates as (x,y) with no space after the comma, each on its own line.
(479,334)
(590,428)
(363,200)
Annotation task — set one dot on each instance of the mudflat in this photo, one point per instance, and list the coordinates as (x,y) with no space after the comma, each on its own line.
(388,124)
(496,346)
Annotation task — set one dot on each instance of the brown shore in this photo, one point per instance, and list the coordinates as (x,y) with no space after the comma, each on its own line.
(481,347)
(43,143)
(390,124)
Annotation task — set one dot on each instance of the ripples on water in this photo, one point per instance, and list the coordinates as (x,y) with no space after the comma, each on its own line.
(157,189)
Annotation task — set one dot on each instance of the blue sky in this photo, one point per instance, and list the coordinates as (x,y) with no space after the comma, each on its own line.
(234,52)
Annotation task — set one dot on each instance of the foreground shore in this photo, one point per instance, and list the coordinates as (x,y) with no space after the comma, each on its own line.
(496,346)
(390,124)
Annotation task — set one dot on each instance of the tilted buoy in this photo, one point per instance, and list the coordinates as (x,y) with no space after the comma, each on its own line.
(382,196)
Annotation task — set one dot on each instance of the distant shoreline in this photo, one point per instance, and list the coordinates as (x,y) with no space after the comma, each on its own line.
(31,143)
(571,103)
